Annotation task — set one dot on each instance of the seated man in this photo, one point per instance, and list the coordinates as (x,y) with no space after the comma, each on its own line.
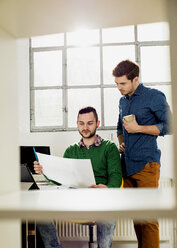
(105,159)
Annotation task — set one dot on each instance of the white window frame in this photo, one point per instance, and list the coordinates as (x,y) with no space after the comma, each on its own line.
(101,86)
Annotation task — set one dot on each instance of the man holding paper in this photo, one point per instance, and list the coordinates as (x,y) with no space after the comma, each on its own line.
(105,161)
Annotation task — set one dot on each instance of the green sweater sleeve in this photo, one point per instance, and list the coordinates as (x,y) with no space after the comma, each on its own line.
(66,153)
(114,166)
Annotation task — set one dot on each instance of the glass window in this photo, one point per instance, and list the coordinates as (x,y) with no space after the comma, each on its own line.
(118,34)
(155,64)
(73,70)
(78,98)
(111,103)
(48,108)
(153,31)
(48,40)
(112,55)
(83,66)
(83,38)
(47,68)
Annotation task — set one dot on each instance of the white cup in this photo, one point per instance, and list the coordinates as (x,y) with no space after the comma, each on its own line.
(128,118)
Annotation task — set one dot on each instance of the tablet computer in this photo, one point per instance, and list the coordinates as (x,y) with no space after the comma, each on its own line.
(26,176)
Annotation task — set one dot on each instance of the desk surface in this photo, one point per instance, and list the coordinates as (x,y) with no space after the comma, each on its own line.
(88,204)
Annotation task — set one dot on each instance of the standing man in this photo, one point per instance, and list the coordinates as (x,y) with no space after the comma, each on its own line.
(138,138)
(105,161)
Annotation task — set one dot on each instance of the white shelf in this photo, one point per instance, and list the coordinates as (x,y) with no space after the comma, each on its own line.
(88,204)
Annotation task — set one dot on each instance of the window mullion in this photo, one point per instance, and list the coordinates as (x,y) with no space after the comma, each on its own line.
(32,92)
(137,50)
(64,91)
(101,79)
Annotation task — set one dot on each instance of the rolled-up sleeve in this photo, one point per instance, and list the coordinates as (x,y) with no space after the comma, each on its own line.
(160,108)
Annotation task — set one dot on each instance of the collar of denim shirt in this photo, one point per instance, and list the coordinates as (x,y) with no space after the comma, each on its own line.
(137,92)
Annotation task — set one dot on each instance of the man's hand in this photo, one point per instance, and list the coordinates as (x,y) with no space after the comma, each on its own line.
(98,186)
(122,147)
(37,167)
(131,127)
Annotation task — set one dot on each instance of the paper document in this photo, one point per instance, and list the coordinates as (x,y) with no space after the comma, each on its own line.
(67,171)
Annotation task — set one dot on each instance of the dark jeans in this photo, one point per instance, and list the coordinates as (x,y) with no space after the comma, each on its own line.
(105,231)
(49,235)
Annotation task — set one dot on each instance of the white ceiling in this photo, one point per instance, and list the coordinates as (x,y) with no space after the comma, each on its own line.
(25,18)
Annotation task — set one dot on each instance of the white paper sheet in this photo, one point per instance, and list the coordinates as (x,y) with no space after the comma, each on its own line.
(67,171)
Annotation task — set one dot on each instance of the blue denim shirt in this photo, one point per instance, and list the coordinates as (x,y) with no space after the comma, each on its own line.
(150,108)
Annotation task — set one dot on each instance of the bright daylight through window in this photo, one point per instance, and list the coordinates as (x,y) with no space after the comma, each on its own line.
(72,70)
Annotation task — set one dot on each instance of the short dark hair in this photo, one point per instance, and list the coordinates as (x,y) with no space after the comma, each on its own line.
(127,68)
(86,110)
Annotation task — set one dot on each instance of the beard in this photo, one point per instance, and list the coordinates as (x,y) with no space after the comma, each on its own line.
(87,137)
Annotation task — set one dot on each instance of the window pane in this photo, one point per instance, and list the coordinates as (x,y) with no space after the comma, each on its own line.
(111,103)
(112,55)
(83,37)
(155,64)
(153,31)
(120,34)
(48,40)
(166,89)
(48,68)
(48,108)
(83,66)
(82,98)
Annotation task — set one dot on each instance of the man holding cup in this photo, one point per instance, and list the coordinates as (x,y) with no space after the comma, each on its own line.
(143,116)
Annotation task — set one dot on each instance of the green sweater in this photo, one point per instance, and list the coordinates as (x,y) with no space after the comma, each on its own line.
(105,161)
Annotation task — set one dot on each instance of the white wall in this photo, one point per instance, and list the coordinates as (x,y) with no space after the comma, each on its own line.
(58,141)
(29,18)
(9,182)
